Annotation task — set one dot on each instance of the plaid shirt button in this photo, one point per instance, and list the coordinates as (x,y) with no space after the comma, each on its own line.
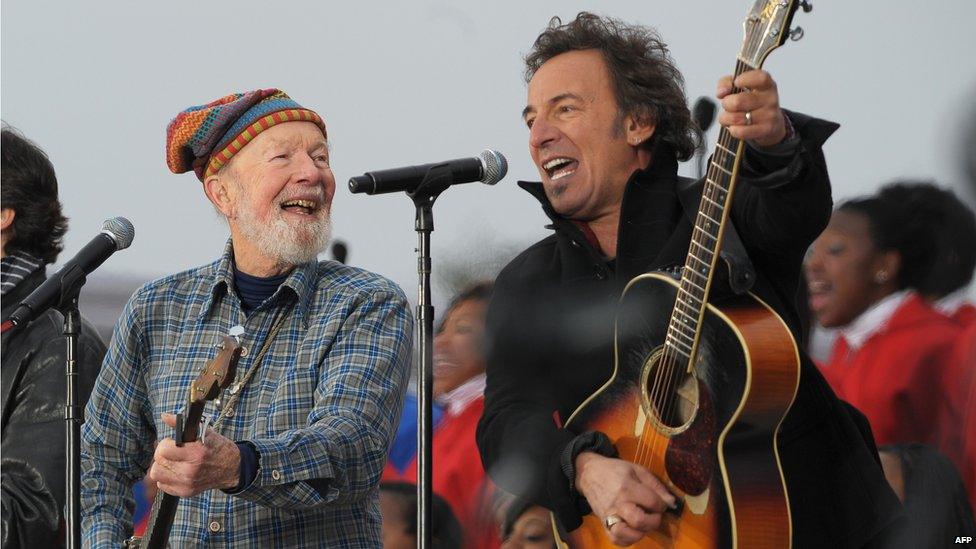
(214,526)
(276,474)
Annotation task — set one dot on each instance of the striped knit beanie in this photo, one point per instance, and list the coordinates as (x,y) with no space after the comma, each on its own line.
(204,138)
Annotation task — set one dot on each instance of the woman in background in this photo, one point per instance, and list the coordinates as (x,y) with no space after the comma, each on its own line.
(892,357)
(459,386)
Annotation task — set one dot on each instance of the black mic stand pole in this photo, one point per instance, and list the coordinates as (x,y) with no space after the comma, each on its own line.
(68,305)
(438,179)
(700,161)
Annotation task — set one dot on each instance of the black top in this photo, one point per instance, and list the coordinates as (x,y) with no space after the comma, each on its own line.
(33,424)
(550,326)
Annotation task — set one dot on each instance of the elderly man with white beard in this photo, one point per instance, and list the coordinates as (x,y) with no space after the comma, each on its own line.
(297,445)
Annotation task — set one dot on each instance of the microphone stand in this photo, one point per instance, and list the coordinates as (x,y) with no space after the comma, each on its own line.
(71,283)
(700,161)
(73,420)
(437,179)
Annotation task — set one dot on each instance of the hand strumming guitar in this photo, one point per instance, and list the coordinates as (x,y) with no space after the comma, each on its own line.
(195,467)
(621,489)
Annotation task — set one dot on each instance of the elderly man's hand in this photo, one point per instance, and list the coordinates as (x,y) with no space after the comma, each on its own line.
(753,115)
(195,467)
(628,492)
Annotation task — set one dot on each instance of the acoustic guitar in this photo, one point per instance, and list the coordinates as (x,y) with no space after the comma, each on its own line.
(216,375)
(697,396)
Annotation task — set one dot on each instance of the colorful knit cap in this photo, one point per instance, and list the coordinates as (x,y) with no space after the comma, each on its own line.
(205,137)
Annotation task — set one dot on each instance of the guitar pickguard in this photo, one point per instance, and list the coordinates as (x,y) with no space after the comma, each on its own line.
(690,458)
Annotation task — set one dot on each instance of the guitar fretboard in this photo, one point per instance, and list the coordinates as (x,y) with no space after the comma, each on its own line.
(681,340)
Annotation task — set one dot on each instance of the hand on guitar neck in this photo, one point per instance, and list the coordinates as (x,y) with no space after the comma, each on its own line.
(628,491)
(752,115)
(195,467)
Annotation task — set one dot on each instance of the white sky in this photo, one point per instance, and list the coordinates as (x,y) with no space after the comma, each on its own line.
(96,82)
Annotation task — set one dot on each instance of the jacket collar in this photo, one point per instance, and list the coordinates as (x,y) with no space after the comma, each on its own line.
(22,290)
(301,283)
(663,165)
(649,213)
(873,320)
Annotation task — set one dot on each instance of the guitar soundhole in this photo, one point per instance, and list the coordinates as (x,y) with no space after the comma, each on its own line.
(670,393)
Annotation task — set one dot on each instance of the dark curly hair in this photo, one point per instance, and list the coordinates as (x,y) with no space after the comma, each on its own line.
(953,227)
(893,228)
(29,186)
(478,291)
(646,83)
(445,530)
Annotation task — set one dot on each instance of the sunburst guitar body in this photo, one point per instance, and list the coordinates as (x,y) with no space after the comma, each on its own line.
(697,395)
(708,434)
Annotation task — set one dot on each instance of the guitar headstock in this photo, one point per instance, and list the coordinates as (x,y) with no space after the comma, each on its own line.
(767,26)
(218,373)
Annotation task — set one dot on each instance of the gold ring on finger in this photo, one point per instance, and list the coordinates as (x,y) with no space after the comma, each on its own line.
(612,519)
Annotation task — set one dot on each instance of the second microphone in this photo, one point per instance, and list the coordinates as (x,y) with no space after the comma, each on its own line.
(489,167)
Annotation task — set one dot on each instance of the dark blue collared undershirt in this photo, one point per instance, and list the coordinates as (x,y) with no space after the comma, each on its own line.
(253,291)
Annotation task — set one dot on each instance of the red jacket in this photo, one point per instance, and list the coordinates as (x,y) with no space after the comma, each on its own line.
(458,475)
(965,316)
(904,380)
(965,358)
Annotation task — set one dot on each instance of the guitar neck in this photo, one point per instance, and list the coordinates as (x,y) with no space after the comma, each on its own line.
(706,240)
(164,505)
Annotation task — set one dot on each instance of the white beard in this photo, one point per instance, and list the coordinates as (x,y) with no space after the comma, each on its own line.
(288,244)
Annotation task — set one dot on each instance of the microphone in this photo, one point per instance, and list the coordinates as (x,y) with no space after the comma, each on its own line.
(703,113)
(489,167)
(117,234)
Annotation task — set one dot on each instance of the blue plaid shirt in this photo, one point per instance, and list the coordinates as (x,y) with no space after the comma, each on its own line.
(321,409)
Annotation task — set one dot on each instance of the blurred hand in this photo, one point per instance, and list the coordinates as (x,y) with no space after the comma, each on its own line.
(617,487)
(195,467)
(768,125)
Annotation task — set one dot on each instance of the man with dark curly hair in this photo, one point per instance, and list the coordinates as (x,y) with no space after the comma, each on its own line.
(608,122)
(34,355)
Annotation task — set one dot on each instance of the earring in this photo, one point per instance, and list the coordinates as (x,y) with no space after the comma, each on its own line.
(881,277)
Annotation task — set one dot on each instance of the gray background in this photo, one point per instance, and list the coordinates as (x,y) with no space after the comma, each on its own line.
(95,83)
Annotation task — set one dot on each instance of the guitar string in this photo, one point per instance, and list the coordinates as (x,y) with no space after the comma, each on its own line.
(712,210)
(668,361)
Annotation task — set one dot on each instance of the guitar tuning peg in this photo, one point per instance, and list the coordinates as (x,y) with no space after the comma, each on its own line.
(796,34)
(806,6)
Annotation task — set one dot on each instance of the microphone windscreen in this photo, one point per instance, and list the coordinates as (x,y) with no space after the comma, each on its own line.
(120,230)
(494,166)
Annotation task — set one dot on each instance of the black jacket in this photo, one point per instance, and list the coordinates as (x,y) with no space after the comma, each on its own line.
(550,336)
(33,427)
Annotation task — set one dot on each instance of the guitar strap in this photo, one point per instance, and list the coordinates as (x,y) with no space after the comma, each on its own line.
(742,274)
(228,408)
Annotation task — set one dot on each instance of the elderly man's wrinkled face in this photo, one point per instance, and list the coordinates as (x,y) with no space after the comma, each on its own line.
(283,196)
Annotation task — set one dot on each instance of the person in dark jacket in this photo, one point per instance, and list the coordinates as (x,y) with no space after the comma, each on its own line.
(608,122)
(33,356)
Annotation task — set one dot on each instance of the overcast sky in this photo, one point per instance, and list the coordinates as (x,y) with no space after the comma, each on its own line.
(399,83)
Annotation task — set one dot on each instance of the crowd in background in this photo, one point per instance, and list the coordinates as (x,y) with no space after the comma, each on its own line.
(890,276)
